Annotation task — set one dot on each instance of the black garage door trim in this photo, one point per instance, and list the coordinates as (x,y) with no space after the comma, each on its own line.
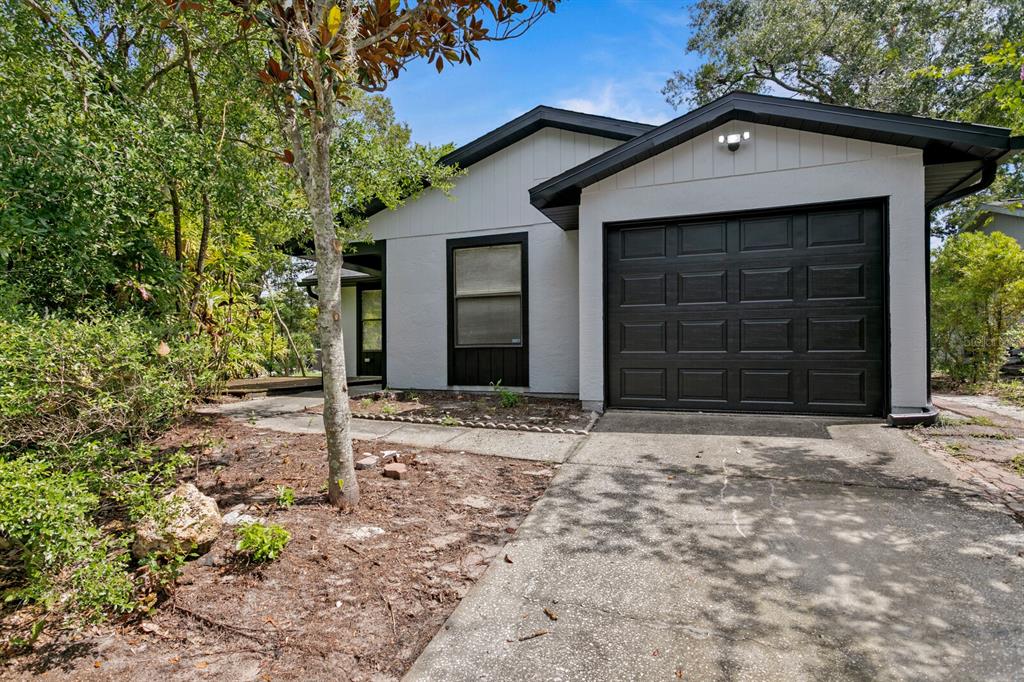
(751,321)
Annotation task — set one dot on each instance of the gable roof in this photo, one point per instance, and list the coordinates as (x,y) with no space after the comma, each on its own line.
(527,124)
(943,142)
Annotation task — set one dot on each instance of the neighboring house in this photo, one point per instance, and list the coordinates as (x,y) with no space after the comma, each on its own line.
(757,254)
(1001,216)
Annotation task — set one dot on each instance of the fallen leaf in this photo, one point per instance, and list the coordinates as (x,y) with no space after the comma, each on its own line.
(201,665)
(163,348)
(508,559)
(550,614)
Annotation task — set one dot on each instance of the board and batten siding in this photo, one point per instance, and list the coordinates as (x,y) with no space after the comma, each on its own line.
(490,198)
(776,168)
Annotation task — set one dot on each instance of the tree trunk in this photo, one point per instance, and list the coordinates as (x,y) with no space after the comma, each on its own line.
(342,486)
(179,249)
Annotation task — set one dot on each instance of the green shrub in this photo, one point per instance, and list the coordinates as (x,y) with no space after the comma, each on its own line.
(261,543)
(285,496)
(63,381)
(977,304)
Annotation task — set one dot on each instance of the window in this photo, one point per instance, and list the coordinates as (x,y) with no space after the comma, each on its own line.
(488,293)
(372,319)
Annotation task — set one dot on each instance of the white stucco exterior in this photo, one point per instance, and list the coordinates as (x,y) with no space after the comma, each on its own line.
(491,198)
(777,167)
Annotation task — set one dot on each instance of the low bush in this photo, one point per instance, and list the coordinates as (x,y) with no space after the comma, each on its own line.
(63,381)
(262,543)
(78,399)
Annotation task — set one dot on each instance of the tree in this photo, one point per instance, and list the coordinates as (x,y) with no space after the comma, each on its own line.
(319,54)
(864,53)
(977,303)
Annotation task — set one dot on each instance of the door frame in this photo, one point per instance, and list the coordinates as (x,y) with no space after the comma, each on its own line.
(883,204)
(375,285)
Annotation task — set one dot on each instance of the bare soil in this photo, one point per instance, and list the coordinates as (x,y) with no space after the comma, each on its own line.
(355,596)
(553,412)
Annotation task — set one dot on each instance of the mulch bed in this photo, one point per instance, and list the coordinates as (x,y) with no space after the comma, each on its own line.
(472,407)
(355,596)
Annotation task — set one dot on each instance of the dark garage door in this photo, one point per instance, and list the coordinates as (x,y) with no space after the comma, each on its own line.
(769,312)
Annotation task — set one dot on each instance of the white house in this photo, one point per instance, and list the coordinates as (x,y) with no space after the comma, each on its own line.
(757,254)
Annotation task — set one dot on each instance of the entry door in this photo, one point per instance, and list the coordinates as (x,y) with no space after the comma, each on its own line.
(772,312)
(371,330)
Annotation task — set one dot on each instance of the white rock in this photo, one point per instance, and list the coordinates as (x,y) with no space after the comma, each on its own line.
(235,517)
(365,532)
(194,524)
(477,502)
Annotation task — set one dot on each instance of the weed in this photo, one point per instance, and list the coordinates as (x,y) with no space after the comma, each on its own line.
(261,543)
(506,398)
(366,403)
(448,420)
(285,496)
(388,408)
(1017,464)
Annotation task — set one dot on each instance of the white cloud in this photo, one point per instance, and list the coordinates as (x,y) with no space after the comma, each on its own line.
(616,100)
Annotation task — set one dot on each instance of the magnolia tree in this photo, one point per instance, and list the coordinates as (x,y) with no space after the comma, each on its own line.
(321,53)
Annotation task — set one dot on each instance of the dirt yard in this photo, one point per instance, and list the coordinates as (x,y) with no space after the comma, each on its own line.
(486,407)
(353,597)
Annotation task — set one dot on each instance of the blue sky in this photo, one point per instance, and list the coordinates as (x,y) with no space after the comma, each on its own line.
(608,57)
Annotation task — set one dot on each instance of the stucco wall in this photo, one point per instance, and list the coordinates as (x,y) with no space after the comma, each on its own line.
(493,197)
(776,168)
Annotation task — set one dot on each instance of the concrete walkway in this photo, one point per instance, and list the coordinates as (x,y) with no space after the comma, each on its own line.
(702,547)
(287,413)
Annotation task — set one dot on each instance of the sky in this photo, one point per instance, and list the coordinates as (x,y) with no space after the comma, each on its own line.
(609,57)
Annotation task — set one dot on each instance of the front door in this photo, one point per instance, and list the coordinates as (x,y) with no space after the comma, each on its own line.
(371,330)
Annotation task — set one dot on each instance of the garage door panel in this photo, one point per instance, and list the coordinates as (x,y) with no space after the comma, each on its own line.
(702,336)
(761,234)
(840,228)
(703,385)
(647,242)
(779,312)
(709,286)
(642,337)
(645,384)
(642,289)
(766,284)
(701,239)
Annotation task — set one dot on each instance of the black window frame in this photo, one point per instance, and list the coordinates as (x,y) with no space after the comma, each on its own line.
(506,239)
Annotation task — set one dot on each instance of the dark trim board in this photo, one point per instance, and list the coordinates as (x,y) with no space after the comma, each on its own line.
(942,142)
(481,366)
(651,327)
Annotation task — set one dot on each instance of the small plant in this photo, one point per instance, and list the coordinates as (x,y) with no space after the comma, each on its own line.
(262,543)
(366,403)
(285,496)
(412,396)
(981,421)
(506,398)
(448,420)
(388,408)
(1017,464)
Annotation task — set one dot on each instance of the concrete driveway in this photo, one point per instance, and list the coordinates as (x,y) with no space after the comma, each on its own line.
(710,547)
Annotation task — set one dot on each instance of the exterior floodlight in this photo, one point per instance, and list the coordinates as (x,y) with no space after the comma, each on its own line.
(733,139)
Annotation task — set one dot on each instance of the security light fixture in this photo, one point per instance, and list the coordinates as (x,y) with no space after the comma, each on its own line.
(733,139)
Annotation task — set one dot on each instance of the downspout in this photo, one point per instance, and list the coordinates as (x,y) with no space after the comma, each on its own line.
(930,414)
(310,292)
